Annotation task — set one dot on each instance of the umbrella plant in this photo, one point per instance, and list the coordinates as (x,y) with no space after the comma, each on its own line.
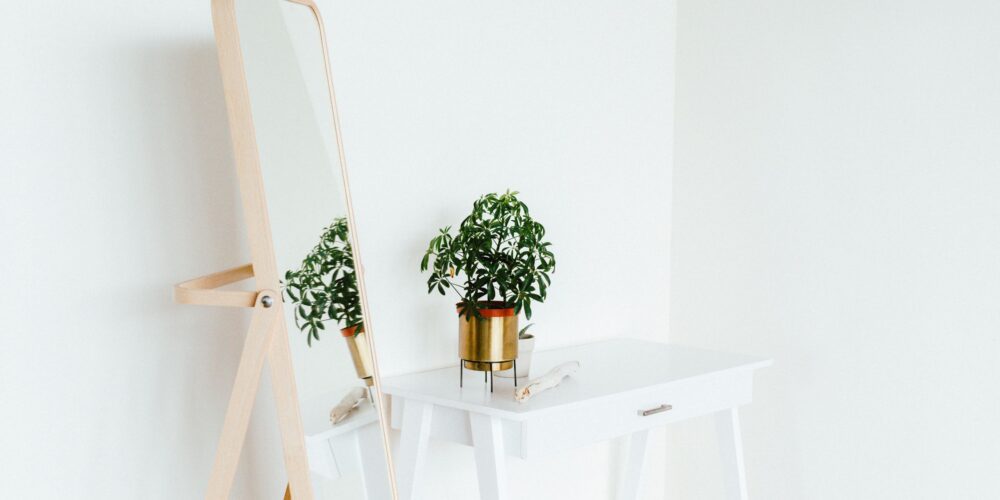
(325,287)
(498,257)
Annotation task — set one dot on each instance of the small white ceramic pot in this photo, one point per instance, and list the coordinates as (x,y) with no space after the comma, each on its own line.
(525,347)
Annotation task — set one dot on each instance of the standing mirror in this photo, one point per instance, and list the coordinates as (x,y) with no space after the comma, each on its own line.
(310,325)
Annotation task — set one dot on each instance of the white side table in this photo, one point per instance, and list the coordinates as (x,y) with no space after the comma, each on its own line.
(624,388)
(354,446)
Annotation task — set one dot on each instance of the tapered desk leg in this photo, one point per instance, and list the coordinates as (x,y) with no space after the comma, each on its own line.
(415,434)
(373,464)
(487,438)
(234,428)
(727,425)
(628,487)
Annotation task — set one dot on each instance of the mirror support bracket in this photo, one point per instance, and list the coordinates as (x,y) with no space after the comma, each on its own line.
(204,290)
(258,346)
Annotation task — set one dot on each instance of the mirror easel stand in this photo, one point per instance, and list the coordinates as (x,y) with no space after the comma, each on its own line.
(266,339)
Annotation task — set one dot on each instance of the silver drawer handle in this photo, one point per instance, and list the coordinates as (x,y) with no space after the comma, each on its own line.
(654,411)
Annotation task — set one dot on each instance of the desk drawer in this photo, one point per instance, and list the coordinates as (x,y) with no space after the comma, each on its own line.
(607,418)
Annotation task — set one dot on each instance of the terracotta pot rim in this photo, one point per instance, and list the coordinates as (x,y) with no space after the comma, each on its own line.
(351,331)
(493,309)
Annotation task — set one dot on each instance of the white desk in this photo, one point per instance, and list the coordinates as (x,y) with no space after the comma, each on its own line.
(618,380)
(352,447)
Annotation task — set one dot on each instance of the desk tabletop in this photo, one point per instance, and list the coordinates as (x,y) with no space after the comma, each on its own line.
(316,416)
(607,368)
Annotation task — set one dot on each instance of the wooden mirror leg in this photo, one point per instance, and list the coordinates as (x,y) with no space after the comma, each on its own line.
(289,419)
(234,428)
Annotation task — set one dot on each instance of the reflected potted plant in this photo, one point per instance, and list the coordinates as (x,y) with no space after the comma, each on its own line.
(325,289)
(498,264)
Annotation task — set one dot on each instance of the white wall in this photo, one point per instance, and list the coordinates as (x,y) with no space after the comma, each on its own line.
(836,207)
(118,182)
(569,102)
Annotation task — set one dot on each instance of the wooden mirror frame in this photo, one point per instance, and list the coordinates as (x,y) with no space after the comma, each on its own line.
(268,334)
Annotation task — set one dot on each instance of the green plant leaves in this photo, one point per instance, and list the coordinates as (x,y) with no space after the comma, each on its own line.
(501,252)
(325,286)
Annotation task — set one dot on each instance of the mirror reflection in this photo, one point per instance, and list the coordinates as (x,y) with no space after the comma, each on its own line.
(324,290)
(302,168)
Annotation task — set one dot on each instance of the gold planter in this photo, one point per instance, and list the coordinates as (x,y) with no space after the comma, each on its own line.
(488,343)
(360,354)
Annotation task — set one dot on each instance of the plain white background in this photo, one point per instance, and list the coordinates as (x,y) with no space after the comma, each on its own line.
(837,206)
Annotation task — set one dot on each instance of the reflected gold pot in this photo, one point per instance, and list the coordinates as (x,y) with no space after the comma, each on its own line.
(360,354)
(488,343)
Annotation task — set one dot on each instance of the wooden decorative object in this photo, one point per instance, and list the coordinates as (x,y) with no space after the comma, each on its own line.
(267,336)
(350,402)
(551,379)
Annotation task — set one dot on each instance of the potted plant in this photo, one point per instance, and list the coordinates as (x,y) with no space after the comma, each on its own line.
(504,262)
(325,288)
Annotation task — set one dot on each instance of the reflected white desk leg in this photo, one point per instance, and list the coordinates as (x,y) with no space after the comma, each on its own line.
(727,423)
(628,486)
(487,439)
(415,433)
(317,484)
(373,465)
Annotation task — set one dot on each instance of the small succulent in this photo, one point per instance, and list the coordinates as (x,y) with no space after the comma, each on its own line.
(523,334)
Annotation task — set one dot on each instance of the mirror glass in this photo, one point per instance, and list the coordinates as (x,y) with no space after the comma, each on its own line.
(302,168)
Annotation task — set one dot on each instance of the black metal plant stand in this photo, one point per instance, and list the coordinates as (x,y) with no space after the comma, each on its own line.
(487,375)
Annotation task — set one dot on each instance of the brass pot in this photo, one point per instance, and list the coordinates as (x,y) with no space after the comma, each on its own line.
(488,343)
(357,343)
